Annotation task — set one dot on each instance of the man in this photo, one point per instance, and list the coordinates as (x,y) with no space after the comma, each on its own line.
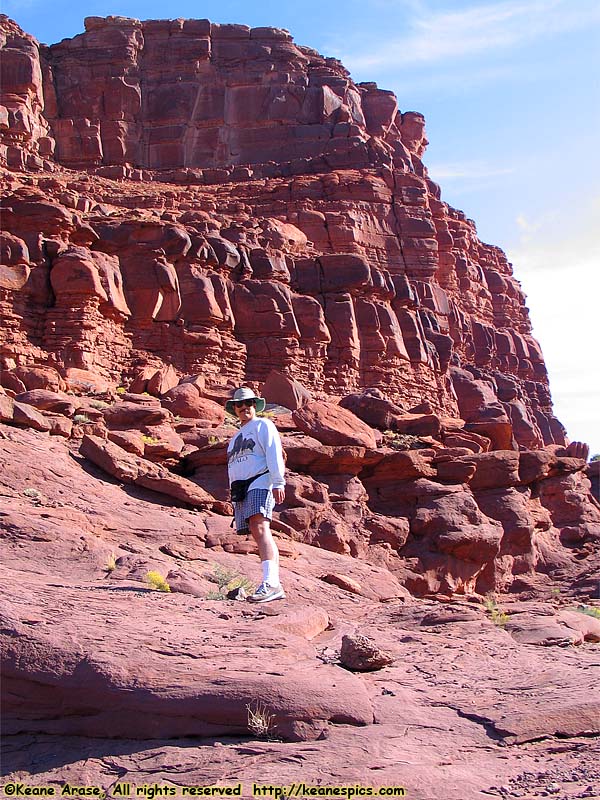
(255,453)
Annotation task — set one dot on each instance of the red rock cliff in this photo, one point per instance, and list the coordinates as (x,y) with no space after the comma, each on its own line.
(220,199)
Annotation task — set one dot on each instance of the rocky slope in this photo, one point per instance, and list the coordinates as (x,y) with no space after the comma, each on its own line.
(106,681)
(186,207)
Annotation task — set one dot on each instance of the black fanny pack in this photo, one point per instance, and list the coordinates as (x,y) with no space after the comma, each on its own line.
(239,489)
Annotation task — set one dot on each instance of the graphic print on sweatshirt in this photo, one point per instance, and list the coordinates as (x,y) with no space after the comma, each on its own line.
(241,447)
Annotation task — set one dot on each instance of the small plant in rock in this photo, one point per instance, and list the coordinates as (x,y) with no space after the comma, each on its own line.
(213,440)
(150,439)
(216,596)
(402,441)
(121,390)
(81,419)
(111,563)
(32,494)
(157,581)
(227,580)
(267,414)
(490,602)
(260,722)
(99,404)
(497,616)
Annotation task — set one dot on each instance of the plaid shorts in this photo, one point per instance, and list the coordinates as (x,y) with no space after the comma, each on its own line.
(258,501)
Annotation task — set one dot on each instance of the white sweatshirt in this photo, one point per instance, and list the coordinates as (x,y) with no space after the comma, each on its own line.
(257,448)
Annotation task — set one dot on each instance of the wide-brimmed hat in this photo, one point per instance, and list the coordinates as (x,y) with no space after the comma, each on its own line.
(245,394)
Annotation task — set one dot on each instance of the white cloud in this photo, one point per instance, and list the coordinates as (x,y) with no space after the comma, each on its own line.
(441,36)
(528,228)
(560,273)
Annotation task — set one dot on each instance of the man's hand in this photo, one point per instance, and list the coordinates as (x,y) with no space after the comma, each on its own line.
(278,495)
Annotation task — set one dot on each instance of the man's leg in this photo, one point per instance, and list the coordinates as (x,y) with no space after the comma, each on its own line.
(260,529)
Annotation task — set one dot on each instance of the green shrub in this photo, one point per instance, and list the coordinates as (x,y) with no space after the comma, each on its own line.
(591,611)
(490,602)
(157,581)
(227,580)
(497,616)
(99,404)
(402,441)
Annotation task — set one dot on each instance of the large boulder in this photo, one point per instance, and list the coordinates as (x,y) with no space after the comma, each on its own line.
(40,378)
(85,676)
(184,400)
(7,408)
(45,400)
(480,408)
(373,408)
(29,417)
(127,415)
(129,468)
(333,425)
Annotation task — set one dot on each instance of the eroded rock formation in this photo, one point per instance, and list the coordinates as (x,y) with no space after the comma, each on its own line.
(225,206)
(189,206)
(269,214)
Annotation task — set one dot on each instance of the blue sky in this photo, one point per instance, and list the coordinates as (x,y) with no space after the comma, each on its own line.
(510,92)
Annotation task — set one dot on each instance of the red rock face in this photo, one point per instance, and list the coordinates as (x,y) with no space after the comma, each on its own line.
(25,139)
(320,248)
(226,207)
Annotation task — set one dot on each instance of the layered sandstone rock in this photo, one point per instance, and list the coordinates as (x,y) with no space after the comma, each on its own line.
(25,138)
(320,248)
(227,207)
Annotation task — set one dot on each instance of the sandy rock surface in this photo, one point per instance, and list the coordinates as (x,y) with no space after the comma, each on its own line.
(468,707)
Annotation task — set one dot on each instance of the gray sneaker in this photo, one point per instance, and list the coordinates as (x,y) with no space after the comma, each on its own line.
(265,593)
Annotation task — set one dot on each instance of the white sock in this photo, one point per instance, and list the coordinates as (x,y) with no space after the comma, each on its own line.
(271,572)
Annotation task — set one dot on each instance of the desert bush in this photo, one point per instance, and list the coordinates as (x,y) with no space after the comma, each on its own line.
(32,494)
(260,722)
(591,611)
(157,581)
(99,404)
(497,616)
(227,580)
